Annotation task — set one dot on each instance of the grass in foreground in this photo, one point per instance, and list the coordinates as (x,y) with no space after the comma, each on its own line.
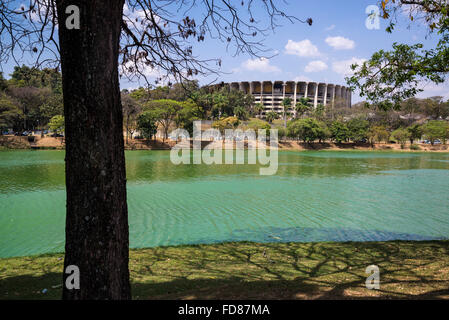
(410,270)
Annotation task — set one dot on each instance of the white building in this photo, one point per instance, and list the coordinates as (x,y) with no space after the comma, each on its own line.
(271,94)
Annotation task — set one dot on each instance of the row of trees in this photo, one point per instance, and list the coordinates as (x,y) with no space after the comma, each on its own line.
(361,130)
(432,108)
(179,105)
(32,97)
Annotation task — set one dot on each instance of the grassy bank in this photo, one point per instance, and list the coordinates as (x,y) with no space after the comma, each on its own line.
(411,270)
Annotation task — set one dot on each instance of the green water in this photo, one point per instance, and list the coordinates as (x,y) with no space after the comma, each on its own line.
(315,196)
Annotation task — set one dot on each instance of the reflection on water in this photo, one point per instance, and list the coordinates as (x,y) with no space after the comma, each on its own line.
(315,196)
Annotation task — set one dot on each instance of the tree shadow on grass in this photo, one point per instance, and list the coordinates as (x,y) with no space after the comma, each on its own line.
(27,287)
(409,270)
(243,270)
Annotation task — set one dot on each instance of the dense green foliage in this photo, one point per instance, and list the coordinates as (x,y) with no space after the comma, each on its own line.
(308,130)
(146,123)
(31,99)
(436,130)
(358,129)
(258,124)
(339,131)
(270,116)
(401,135)
(56,124)
(389,77)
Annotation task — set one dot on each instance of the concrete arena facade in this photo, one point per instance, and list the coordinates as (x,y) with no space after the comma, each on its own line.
(271,93)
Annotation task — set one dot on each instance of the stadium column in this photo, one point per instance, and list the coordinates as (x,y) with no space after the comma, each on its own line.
(306,94)
(315,101)
(333,98)
(294,97)
(325,95)
(350,98)
(294,93)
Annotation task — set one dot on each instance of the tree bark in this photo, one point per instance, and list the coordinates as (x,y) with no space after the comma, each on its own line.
(97,215)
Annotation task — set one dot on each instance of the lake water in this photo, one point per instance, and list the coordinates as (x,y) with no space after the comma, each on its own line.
(315,196)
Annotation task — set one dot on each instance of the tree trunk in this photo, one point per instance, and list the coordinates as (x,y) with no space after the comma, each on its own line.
(127,131)
(97,214)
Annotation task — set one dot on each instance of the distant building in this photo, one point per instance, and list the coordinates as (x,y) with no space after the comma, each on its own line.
(271,94)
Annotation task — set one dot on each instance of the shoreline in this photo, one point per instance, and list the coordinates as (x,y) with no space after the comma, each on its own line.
(50,143)
(41,255)
(257,271)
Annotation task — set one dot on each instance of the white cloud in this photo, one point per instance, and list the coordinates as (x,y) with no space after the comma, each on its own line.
(330,28)
(340,43)
(129,68)
(432,89)
(133,13)
(315,66)
(304,48)
(260,65)
(137,19)
(344,67)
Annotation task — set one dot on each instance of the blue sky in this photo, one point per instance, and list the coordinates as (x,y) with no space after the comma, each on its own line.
(322,52)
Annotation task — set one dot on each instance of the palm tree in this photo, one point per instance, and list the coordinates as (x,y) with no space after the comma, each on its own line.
(302,107)
(241,113)
(220,102)
(286,103)
(258,109)
(319,112)
(271,116)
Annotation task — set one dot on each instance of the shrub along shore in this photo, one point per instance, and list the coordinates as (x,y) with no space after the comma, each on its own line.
(50,143)
(245,270)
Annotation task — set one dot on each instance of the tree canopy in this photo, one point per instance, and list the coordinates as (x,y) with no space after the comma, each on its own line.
(389,77)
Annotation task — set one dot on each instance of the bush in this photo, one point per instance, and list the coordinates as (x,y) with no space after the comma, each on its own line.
(282,132)
(358,129)
(226,123)
(415,147)
(308,130)
(436,130)
(401,136)
(57,124)
(339,131)
(257,124)
(378,134)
